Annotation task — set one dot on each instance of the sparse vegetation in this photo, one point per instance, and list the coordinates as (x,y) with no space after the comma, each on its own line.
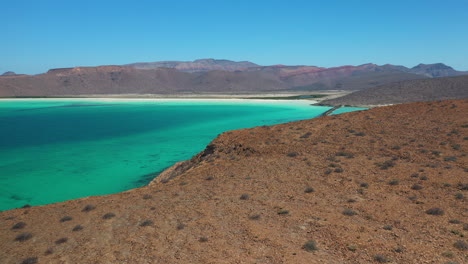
(23,237)
(454,221)
(416,187)
(19,225)
(147,196)
(310,246)
(66,219)
(108,216)
(388,227)
(61,240)
(146,223)
(88,208)
(364,185)
(244,196)
(292,154)
(309,190)
(180,226)
(283,212)
(380,258)
(460,244)
(203,239)
(459,196)
(394,182)
(435,211)
(31,260)
(77,228)
(254,217)
(349,212)
(450,158)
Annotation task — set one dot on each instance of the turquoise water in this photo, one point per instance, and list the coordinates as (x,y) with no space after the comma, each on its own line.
(56,150)
(347,109)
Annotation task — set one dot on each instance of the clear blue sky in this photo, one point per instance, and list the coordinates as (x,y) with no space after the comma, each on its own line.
(37,35)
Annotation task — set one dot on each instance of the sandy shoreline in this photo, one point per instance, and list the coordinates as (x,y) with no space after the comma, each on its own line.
(182,99)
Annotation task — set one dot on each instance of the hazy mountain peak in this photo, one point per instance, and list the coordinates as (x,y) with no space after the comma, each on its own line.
(9,73)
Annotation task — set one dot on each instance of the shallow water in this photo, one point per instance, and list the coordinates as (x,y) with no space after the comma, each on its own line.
(56,150)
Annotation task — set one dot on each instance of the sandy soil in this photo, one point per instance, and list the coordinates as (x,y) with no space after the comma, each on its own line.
(363,186)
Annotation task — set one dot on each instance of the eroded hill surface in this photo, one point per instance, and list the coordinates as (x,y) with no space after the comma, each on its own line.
(383,185)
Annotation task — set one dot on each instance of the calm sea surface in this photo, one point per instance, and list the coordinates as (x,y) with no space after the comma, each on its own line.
(56,150)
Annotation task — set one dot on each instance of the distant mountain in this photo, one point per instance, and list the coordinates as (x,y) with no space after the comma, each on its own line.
(407,91)
(202,65)
(211,76)
(436,70)
(8,73)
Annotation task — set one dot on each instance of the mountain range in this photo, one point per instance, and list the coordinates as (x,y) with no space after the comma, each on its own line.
(210,76)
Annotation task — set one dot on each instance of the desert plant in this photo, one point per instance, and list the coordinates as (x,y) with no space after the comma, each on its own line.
(454,221)
(380,258)
(88,207)
(450,158)
(460,244)
(203,239)
(180,226)
(147,196)
(292,154)
(108,216)
(394,182)
(459,196)
(364,185)
(209,178)
(61,240)
(254,217)
(349,212)
(339,170)
(416,187)
(244,196)
(19,225)
(66,218)
(283,212)
(310,246)
(388,227)
(435,211)
(146,223)
(31,260)
(23,237)
(309,190)
(77,228)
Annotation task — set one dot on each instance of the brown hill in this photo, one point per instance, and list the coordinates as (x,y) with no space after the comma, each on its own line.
(407,91)
(387,184)
(201,65)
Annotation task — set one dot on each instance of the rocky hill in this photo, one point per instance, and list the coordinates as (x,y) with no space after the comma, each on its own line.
(376,186)
(210,76)
(407,91)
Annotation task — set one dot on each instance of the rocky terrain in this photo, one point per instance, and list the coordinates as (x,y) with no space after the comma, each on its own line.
(407,91)
(209,76)
(386,185)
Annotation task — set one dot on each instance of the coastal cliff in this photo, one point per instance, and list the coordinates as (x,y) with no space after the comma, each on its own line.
(383,185)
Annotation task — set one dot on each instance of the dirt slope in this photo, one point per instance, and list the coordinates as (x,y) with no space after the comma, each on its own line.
(358,184)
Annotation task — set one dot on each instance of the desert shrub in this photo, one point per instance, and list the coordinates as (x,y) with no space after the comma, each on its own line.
(147,196)
(465,226)
(108,216)
(386,164)
(424,178)
(416,187)
(380,258)
(394,182)
(19,225)
(435,211)
(283,212)
(66,218)
(460,244)
(364,185)
(360,134)
(31,260)
(244,196)
(413,198)
(180,226)
(23,237)
(349,212)
(61,240)
(352,248)
(209,178)
(339,170)
(388,227)
(88,207)
(463,186)
(292,154)
(447,254)
(396,147)
(306,135)
(310,246)
(309,190)
(203,239)
(399,249)
(77,228)
(414,175)
(456,146)
(183,183)
(450,158)
(351,201)
(146,223)
(254,217)
(345,154)
(328,171)
(49,251)
(454,221)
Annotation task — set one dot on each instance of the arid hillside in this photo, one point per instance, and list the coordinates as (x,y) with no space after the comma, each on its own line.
(386,185)
(407,91)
